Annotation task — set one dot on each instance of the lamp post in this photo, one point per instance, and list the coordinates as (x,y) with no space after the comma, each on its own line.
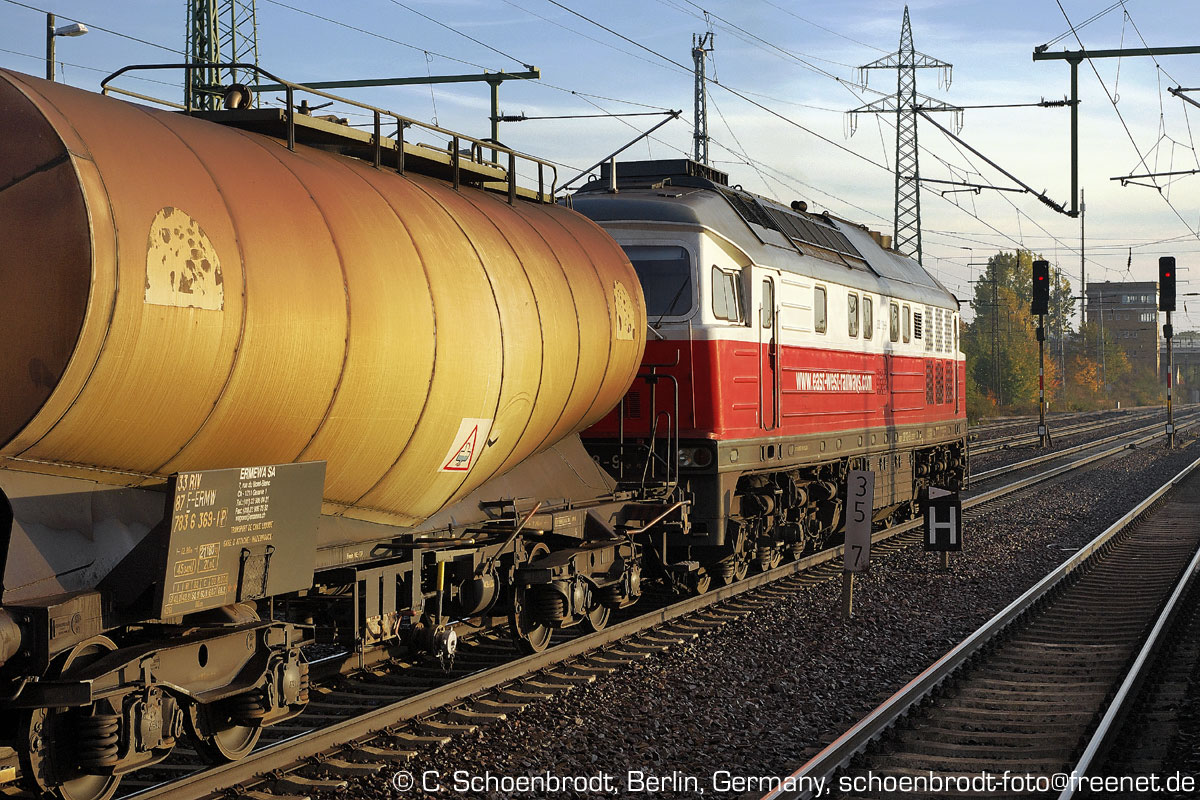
(74,29)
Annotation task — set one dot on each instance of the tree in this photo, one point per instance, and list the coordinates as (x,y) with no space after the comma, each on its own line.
(1001,342)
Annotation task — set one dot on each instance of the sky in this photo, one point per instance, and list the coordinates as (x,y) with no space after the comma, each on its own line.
(784,75)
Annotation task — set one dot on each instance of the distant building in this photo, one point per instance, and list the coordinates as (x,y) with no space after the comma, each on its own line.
(1128,313)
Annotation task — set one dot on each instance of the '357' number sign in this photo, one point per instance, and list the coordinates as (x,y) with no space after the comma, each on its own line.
(860,500)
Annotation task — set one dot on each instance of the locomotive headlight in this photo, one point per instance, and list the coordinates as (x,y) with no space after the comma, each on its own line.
(698,457)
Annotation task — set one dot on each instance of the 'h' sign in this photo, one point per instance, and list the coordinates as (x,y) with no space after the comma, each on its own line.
(943,523)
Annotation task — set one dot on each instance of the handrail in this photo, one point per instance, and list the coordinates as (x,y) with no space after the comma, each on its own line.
(477,146)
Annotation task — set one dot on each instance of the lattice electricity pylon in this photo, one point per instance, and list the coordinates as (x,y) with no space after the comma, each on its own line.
(905,105)
(220,31)
(698,53)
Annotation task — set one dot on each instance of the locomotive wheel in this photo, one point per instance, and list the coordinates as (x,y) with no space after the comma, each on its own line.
(736,566)
(218,737)
(529,635)
(700,581)
(49,760)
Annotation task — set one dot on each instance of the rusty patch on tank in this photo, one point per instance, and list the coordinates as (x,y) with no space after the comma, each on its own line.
(182,268)
(623,316)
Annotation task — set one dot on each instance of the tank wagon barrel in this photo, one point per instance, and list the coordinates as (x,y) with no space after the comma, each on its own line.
(202,298)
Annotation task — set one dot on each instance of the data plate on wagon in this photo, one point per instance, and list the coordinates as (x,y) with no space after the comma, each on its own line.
(240,534)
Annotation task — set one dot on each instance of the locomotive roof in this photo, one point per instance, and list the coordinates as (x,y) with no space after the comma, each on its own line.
(685,193)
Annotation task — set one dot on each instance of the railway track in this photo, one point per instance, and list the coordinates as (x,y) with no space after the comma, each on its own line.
(984,431)
(1011,709)
(1145,430)
(1029,436)
(373,722)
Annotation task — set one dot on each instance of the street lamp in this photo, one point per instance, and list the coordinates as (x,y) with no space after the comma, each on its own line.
(74,29)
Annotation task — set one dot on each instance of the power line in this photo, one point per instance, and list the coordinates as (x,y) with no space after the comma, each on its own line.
(727,88)
(1081,26)
(368,33)
(1121,117)
(762,107)
(94,26)
(822,27)
(42,58)
(458,32)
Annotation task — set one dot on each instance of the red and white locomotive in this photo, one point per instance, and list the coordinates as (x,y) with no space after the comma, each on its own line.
(786,348)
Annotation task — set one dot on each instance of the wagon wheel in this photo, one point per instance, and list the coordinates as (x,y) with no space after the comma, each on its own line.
(217,735)
(60,743)
(597,616)
(220,729)
(529,635)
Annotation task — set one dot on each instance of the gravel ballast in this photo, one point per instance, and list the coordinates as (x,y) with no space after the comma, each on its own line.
(760,695)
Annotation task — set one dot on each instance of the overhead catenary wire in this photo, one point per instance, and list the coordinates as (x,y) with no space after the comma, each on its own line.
(459,32)
(366,32)
(1121,117)
(1017,241)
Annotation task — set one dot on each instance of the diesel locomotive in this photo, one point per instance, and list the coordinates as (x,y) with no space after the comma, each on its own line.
(273,380)
(785,348)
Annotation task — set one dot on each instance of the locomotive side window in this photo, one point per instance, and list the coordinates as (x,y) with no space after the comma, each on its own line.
(852,313)
(727,295)
(768,303)
(868,318)
(907,324)
(894,322)
(819,309)
(666,275)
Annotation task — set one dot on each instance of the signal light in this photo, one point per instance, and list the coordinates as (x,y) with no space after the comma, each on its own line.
(1166,283)
(1041,288)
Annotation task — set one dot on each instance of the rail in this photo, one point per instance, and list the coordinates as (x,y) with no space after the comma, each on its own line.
(476,146)
(839,753)
(292,753)
(1126,695)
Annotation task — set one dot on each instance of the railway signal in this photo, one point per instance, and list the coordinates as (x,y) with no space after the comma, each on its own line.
(1041,306)
(1041,288)
(1166,302)
(1166,283)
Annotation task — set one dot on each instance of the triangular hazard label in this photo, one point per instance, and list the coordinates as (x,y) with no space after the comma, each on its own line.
(465,454)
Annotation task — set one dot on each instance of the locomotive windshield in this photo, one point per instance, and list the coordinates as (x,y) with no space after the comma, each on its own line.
(666,275)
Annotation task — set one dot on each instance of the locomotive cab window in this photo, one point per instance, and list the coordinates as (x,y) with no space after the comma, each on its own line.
(852,314)
(894,321)
(666,275)
(768,304)
(907,324)
(819,309)
(868,317)
(726,295)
